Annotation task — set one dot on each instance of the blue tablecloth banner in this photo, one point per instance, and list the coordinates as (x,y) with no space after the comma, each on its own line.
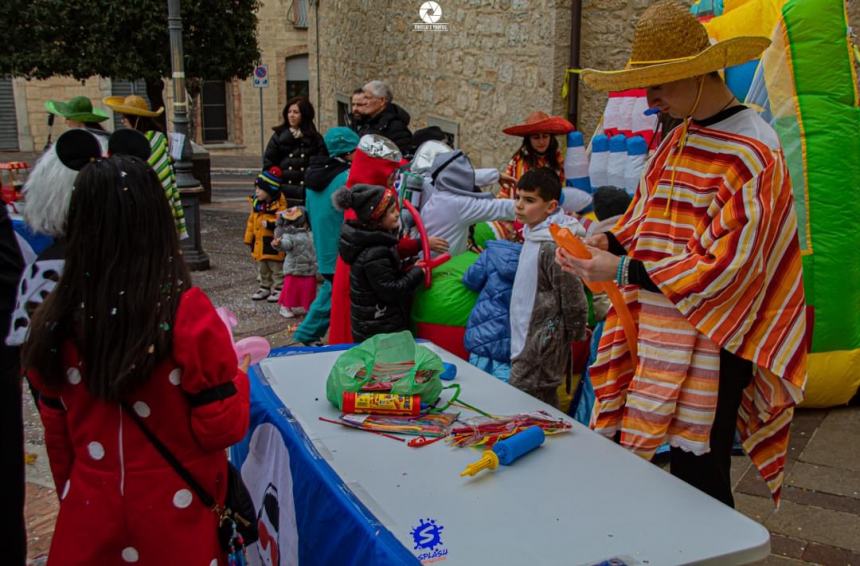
(306,514)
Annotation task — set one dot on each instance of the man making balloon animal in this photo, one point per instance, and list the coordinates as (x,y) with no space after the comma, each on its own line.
(708,262)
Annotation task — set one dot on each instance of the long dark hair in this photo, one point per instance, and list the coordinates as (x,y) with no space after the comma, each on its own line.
(553,158)
(116,300)
(307,126)
(143,124)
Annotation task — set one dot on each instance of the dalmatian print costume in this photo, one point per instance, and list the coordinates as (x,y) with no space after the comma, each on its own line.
(37,282)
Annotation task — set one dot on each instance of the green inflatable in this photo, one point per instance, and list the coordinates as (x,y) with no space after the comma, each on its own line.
(807,88)
(447,301)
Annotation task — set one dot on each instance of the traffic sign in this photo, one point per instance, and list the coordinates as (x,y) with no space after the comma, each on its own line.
(261,76)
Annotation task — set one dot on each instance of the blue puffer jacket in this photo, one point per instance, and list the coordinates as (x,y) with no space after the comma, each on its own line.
(488,332)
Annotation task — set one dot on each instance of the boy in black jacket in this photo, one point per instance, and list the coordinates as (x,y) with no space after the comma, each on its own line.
(380,290)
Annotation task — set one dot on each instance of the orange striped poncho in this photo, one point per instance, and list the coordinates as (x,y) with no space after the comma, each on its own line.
(725,254)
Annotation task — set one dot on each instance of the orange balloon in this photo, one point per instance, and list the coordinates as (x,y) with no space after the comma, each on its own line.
(575,247)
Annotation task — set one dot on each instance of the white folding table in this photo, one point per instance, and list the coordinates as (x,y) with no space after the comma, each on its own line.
(579,499)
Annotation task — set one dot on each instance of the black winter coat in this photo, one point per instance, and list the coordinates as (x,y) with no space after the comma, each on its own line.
(322,170)
(393,123)
(380,291)
(292,156)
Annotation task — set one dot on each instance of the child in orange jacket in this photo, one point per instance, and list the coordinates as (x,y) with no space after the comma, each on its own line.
(260,231)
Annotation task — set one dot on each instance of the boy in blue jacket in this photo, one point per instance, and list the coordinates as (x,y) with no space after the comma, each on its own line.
(488,332)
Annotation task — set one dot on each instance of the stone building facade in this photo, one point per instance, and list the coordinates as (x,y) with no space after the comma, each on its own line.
(282,36)
(497,61)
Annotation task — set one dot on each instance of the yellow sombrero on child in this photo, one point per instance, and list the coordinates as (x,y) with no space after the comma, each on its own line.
(131,105)
(669,44)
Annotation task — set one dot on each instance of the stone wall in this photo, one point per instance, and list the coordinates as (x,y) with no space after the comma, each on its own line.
(500,60)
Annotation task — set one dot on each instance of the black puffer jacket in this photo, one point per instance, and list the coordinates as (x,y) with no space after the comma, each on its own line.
(322,170)
(380,291)
(292,155)
(393,123)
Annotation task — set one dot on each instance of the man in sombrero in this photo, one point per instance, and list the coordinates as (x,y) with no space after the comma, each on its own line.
(708,260)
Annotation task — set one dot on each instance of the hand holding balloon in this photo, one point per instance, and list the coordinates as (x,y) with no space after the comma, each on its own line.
(597,268)
(251,350)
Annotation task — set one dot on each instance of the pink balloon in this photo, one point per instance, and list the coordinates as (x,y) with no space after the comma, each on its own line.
(255,346)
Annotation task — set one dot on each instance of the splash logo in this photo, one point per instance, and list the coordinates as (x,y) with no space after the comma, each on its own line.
(430,13)
(427,537)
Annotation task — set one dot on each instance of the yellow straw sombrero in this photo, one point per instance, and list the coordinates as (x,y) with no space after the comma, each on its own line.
(669,44)
(132,105)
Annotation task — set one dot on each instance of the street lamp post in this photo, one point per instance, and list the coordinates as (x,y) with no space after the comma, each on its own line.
(189,188)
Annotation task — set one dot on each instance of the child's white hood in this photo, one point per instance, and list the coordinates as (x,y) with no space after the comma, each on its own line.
(525,282)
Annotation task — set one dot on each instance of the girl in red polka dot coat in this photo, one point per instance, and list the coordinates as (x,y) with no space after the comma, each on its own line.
(124,328)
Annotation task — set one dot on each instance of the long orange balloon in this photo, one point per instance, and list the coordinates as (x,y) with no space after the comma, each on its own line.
(574,246)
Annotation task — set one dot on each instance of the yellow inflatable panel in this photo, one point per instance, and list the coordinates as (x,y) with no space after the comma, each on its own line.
(834,378)
(747,17)
(729,5)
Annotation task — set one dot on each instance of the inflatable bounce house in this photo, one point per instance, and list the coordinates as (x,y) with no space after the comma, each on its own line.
(806,87)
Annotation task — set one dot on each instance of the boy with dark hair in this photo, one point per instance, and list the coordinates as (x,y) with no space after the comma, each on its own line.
(548,309)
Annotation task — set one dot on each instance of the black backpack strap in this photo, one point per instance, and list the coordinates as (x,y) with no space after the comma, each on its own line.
(207,499)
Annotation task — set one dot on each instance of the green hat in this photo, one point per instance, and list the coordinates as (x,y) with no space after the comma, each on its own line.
(340,140)
(79,109)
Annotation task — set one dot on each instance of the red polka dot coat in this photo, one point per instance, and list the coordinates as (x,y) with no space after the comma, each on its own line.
(120,502)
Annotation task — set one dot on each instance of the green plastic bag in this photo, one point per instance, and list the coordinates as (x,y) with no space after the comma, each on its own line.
(386,358)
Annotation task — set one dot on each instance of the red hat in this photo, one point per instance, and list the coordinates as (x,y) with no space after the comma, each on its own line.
(540,123)
(370,170)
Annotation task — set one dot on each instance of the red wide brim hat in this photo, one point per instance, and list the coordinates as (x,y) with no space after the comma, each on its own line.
(541,123)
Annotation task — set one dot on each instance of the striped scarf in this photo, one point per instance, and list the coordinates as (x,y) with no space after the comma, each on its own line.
(162,164)
(726,258)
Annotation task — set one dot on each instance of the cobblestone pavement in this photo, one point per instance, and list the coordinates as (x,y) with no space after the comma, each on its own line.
(818,522)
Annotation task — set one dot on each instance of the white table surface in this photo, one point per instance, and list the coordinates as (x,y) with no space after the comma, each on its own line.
(578,499)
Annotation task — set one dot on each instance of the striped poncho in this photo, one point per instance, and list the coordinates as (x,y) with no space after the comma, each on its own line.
(162,163)
(725,256)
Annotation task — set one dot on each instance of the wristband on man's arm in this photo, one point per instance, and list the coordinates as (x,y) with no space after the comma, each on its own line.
(638,275)
(615,247)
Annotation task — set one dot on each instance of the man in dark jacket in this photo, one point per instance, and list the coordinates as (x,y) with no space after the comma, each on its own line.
(385,118)
(355,116)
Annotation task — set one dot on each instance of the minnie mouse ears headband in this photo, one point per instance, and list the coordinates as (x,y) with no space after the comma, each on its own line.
(76,148)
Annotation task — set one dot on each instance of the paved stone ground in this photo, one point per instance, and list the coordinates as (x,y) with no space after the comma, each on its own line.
(818,523)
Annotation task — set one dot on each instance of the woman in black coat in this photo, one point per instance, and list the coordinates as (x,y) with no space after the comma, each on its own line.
(291,147)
